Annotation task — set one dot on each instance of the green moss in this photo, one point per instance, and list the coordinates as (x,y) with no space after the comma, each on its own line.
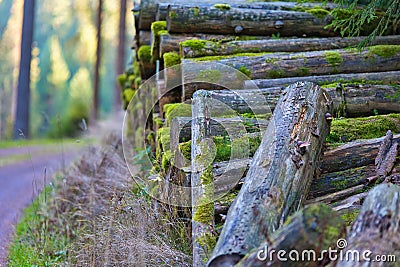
(194,44)
(166,159)
(303,71)
(163,32)
(195,10)
(212,76)
(176,110)
(186,149)
(345,130)
(222,6)
(333,58)
(128,95)
(163,138)
(158,26)
(276,73)
(318,12)
(205,211)
(171,59)
(207,241)
(121,81)
(214,58)
(245,71)
(144,53)
(270,60)
(349,217)
(385,51)
(172,14)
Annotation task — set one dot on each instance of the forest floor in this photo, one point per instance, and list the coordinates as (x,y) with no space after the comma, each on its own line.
(25,170)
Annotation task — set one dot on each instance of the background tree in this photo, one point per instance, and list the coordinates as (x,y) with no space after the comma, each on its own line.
(23,97)
(96,88)
(120,66)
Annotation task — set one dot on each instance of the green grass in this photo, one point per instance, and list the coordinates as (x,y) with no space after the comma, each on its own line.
(44,141)
(35,243)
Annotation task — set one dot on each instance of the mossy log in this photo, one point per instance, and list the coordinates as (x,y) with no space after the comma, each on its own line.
(280,174)
(202,179)
(350,100)
(388,76)
(282,65)
(230,20)
(209,48)
(144,38)
(375,229)
(300,234)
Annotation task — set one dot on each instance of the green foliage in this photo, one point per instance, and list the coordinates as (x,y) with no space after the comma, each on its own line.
(171,59)
(345,130)
(144,53)
(351,20)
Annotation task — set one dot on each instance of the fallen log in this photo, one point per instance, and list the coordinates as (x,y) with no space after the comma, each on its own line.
(144,38)
(299,235)
(230,20)
(350,100)
(282,65)
(280,174)
(389,76)
(208,48)
(375,230)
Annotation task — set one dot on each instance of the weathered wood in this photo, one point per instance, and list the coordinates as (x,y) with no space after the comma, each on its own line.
(280,174)
(300,235)
(375,229)
(387,154)
(352,155)
(144,38)
(201,178)
(352,99)
(281,65)
(280,45)
(189,18)
(389,76)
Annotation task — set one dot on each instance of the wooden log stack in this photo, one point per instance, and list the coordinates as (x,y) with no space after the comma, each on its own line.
(297,126)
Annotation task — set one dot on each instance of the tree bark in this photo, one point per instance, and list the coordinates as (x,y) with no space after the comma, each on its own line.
(120,61)
(388,76)
(21,124)
(280,174)
(376,227)
(96,83)
(354,100)
(281,45)
(281,65)
(300,235)
(189,18)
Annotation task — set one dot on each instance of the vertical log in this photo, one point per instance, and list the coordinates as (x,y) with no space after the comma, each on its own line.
(202,179)
(376,229)
(280,174)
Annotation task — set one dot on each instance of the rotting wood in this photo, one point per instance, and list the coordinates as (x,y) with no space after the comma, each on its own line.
(283,65)
(300,235)
(387,154)
(280,45)
(376,228)
(280,174)
(388,76)
(189,18)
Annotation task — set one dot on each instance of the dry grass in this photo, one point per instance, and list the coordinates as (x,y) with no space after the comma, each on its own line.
(107,220)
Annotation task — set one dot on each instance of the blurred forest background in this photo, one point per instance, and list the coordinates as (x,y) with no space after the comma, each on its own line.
(63,62)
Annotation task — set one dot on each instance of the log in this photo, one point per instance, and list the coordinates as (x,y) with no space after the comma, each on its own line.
(353,155)
(300,235)
(375,230)
(280,45)
(280,174)
(282,65)
(144,38)
(230,20)
(354,100)
(201,179)
(389,76)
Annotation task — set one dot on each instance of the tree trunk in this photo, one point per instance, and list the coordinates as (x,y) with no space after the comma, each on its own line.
(120,61)
(189,18)
(21,125)
(388,76)
(300,235)
(376,228)
(281,65)
(280,174)
(281,45)
(352,100)
(96,83)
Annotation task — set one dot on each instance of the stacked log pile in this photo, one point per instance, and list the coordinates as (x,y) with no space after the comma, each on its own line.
(310,127)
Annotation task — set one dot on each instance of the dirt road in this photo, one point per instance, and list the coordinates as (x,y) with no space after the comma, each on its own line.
(23,177)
